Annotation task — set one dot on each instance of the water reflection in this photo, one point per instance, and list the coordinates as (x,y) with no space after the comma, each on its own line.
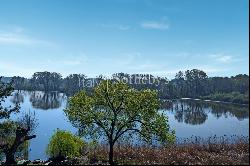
(196,112)
(46,101)
(226,110)
(17,97)
(190,112)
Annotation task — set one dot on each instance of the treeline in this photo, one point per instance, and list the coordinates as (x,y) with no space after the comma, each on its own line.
(186,84)
(49,81)
(196,84)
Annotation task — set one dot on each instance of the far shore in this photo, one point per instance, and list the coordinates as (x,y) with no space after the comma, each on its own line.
(214,101)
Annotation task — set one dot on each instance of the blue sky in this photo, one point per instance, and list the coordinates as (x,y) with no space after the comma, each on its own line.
(95,37)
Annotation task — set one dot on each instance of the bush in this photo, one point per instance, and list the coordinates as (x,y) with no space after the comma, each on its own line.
(64,144)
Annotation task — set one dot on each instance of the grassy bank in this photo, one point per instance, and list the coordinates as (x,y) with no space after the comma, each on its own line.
(192,151)
(233,97)
(225,150)
(177,155)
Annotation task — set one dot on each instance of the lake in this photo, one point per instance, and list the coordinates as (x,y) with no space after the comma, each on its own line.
(187,117)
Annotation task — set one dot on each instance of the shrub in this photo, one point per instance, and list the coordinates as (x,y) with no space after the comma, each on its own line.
(64,144)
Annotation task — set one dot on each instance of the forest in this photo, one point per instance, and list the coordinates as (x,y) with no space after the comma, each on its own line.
(186,84)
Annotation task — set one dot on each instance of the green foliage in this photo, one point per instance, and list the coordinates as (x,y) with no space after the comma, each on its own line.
(5,90)
(73,83)
(115,109)
(234,97)
(46,81)
(7,126)
(63,143)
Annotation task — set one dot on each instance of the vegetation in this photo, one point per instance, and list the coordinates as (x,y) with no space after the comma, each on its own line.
(46,81)
(234,97)
(13,134)
(64,144)
(186,154)
(73,83)
(191,83)
(114,109)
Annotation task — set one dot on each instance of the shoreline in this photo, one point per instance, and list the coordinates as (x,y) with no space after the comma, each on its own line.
(213,101)
(191,153)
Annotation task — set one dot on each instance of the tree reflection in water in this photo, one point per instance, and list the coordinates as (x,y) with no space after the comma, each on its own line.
(190,112)
(196,112)
(17,97)
(240,112)
(45,101)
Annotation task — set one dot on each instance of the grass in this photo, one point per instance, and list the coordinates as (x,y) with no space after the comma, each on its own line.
(225,150)
(199,152)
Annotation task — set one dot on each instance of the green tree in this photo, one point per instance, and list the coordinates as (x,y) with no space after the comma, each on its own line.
(195,79)
(18,82)
(115,109)
(73,83)
(46,81)
(64,144)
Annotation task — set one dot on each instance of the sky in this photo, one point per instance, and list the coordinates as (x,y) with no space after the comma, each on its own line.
(94,37)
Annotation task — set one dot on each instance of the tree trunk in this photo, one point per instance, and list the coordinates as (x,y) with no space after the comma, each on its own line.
(10,158)
(21,137)
(111,153)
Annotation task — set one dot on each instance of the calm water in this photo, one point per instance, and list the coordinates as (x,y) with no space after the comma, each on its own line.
(187,117)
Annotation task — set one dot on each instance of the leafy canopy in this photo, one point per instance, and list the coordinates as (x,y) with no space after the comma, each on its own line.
(115,109)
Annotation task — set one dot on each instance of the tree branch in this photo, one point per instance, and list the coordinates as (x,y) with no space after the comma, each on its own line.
(130,129)
(99,123)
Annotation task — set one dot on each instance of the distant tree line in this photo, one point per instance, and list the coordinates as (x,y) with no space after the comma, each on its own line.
(186,84)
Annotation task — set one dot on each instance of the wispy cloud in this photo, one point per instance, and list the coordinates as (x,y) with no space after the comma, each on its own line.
(124,27)
(14,69)
(64,65)
(225,59)
(116,26)
(150,24)
(17,37)
(221,57)
(69,61)
(123,60)
(158,25)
